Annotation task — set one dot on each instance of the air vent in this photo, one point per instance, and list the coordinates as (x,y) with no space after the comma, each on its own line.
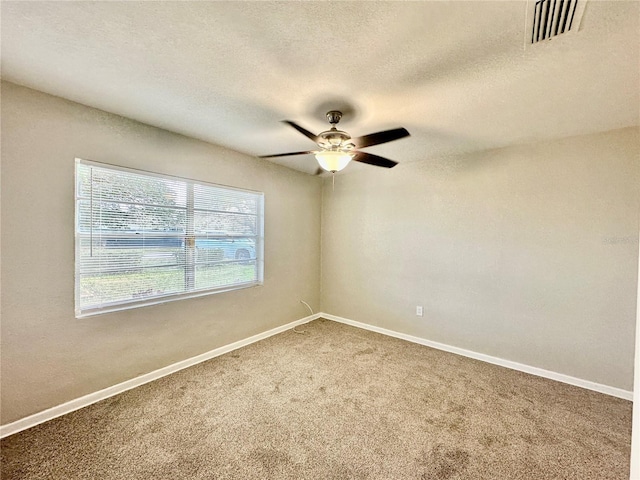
(555,17)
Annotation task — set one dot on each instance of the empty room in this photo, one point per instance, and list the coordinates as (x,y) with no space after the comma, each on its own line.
(320,240)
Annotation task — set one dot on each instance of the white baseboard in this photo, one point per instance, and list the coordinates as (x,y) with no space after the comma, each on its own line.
(578,382)
(78,403)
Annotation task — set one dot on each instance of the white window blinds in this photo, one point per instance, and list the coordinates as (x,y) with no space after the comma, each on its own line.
(144,238)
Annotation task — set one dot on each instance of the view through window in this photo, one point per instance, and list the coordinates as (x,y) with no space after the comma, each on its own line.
(144,238)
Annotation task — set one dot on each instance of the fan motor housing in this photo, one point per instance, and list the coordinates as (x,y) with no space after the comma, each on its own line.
(333,138)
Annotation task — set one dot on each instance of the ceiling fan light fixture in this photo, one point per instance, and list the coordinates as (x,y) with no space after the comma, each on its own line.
(338,148)
(332,160)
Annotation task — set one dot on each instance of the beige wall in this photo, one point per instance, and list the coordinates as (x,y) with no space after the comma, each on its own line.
(527,253)
(635,440)
(48,356)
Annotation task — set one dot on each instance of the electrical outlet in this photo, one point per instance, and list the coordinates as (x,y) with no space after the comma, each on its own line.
(419,310)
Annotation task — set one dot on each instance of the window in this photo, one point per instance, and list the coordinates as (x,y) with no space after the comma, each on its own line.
(144,238)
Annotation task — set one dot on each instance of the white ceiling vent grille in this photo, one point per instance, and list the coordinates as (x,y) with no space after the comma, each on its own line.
(555,17)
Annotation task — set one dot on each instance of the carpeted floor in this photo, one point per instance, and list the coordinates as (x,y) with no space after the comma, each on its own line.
(334,403)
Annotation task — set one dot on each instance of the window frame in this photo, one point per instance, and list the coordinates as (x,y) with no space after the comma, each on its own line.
(189,238)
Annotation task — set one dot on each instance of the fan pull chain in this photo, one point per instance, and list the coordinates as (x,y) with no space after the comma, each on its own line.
(333,181)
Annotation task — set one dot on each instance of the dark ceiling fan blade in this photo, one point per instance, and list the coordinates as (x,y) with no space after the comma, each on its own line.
(371,159)
(284,154)
(303,131)
(319,171)
(380,137)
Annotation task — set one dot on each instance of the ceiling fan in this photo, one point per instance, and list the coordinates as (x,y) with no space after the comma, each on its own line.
(337,148)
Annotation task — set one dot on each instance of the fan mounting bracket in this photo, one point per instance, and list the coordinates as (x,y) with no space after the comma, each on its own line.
(334,116)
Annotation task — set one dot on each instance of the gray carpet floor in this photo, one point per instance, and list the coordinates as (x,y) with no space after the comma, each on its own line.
(334,403)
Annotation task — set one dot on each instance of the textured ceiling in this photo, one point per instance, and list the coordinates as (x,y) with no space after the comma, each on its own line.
(455,74)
